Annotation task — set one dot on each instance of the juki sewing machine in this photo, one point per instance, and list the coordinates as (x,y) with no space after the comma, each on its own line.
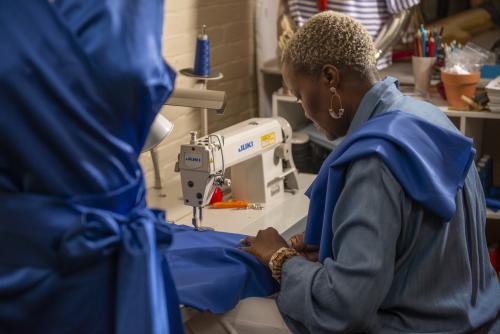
(259,153)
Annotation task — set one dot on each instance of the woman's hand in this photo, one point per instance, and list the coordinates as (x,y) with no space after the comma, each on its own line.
(264,245)
(310,252)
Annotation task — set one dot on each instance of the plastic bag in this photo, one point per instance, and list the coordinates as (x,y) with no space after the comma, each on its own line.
(468,59)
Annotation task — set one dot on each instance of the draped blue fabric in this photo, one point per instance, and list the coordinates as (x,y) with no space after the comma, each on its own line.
(80,84)
(212,274)
(430,163)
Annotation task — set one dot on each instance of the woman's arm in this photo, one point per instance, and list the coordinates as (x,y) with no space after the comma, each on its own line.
(343,294)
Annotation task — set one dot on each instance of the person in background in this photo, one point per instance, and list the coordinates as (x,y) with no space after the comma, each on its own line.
(396,216)
(372,14)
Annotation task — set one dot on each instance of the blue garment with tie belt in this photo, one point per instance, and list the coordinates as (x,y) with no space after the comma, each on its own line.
(80,252)
(429,161)
(80,84)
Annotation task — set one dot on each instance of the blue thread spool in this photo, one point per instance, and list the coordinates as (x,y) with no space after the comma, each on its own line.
(202,56)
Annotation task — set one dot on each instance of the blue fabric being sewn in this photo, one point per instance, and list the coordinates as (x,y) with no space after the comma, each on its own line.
(211,273)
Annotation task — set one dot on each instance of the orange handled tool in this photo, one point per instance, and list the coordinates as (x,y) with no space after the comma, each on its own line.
(236,205)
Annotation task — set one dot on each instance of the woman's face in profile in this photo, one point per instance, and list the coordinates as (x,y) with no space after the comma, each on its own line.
(313,93)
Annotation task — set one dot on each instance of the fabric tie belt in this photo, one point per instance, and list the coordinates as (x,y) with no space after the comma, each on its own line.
(68,235)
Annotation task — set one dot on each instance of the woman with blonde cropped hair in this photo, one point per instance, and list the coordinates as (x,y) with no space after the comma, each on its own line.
(395,237)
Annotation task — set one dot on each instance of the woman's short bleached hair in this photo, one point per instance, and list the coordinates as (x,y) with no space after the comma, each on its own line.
(330,38)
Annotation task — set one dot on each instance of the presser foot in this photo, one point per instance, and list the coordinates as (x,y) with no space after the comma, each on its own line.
(197,221)
(203,228)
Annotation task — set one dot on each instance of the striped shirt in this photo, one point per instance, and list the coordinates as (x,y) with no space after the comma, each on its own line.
(372,14)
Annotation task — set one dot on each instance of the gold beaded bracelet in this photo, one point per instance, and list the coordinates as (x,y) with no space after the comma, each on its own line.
(277,260)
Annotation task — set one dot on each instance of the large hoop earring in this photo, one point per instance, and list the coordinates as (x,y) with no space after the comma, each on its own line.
(336,114)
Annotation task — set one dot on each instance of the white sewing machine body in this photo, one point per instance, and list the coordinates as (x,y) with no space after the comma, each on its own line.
(257,150)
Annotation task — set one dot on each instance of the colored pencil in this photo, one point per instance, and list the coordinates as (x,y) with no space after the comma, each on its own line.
(423,40)
(419,40)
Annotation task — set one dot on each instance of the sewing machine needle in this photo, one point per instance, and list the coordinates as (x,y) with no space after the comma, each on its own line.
(194,221)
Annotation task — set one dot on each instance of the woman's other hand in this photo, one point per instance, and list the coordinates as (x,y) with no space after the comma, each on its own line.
(264,245)
(310,252)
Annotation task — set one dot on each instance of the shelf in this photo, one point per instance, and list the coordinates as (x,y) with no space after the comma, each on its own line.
(438,102)
(441,104)
(472,114)
(400,70)
(403,71)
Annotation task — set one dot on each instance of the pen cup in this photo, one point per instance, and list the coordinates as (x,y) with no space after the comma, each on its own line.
(422,71)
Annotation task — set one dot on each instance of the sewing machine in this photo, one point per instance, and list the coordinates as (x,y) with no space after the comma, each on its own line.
(257,150)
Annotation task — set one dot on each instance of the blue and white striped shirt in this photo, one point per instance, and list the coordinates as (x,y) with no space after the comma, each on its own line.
(372,14)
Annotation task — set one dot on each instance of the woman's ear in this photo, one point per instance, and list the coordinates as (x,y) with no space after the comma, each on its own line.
(330,75)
